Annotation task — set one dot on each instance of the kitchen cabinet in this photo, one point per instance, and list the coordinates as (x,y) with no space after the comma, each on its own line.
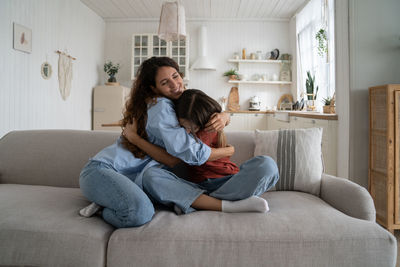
(247,121)
(384,153)
(145,46)
(282,120)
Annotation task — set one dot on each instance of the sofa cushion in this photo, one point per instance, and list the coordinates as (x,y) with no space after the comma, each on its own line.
(40,226)
(297,153)
(299,230)
(49,157)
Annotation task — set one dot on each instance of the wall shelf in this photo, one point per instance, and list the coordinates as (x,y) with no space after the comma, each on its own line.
(258,82)
(256,61)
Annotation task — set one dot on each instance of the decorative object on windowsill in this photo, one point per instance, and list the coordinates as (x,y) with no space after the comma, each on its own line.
(311,92)
(322,39)
(285,102)
(64,73)
(46,70)
(172,25)
(233,99)
(232,74)
(111,69)
(22,38)
(329,105)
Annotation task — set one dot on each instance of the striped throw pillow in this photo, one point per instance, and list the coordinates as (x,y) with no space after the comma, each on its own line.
(298,155)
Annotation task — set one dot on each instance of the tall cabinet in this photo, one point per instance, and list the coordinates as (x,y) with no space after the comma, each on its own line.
(384,152)
(108,105)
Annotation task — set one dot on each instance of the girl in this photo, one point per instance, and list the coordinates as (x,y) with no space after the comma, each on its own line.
(233,191)
(194,109)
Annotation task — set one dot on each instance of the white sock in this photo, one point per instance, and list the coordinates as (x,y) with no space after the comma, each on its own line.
(251,204)
(89,210)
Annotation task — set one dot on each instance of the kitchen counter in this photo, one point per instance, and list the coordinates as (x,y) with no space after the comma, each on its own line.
(305,114)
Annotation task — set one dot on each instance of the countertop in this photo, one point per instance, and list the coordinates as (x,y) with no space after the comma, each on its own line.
(305,114)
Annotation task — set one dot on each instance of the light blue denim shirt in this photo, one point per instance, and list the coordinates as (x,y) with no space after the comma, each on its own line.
(163,129)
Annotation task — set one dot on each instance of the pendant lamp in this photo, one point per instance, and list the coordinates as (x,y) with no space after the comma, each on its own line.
(172,22)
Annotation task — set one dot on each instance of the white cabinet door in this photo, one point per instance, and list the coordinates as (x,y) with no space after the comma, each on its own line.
(275,124)
(241,122)
(148,45)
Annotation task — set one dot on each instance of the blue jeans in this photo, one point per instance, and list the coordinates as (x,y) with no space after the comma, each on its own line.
(256,176)
(125,204)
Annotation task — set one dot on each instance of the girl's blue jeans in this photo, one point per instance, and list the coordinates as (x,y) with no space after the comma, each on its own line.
(125,204)
(256,176)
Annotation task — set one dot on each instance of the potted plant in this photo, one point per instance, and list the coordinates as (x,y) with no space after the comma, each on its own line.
(329,106)
(311,94)
(322,39)
(232,74)
(111,69)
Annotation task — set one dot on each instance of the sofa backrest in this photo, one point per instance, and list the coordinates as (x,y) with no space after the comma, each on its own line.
(244,144)
(56,157)
(49,157)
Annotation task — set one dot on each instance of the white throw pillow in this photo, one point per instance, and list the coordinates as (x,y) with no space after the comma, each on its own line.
(297,153)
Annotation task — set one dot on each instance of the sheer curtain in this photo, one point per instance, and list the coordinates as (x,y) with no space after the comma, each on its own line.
(316,15)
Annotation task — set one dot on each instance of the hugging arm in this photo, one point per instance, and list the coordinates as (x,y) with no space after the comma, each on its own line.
(157,153)
(161,155)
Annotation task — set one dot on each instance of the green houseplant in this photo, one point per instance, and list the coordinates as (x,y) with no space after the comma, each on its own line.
(111,69)
(322,39)
(311,91)
(232,74)
(329,105)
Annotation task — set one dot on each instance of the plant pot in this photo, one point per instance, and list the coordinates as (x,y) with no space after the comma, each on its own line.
(329,109)
(232,77)
(310,105)
(112,79)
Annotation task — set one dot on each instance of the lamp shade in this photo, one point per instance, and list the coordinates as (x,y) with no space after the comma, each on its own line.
(172,22)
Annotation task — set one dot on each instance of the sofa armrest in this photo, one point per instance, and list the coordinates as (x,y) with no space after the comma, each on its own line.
(348,197)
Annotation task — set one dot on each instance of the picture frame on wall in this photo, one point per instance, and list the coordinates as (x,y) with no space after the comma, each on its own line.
(22,38)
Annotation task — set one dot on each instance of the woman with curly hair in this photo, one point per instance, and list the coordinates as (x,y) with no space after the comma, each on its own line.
(116,177)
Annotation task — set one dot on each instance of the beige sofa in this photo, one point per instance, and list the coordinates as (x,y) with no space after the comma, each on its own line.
(40,225)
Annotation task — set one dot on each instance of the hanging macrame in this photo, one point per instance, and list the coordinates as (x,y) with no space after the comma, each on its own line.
(64,75)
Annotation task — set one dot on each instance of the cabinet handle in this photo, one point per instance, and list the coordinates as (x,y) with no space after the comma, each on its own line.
(256,115)
(313,121)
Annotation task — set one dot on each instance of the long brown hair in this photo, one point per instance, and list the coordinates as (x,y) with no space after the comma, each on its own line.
(142,94)
(197,107)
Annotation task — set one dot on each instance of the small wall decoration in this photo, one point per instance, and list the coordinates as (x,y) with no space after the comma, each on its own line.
(22,38)
(46,70)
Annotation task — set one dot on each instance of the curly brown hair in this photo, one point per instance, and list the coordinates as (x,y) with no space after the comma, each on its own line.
(140,96)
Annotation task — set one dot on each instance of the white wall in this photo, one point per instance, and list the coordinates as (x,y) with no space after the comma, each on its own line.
(374,60)
(224,38)
(27,101)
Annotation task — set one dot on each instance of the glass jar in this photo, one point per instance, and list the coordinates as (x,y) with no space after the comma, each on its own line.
(259,55)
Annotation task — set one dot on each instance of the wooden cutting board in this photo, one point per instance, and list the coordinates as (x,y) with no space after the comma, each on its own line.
(233,99)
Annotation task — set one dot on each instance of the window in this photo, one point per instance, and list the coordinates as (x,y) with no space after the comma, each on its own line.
(316,15)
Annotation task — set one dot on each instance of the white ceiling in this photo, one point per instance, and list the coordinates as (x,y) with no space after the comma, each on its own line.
(198,9)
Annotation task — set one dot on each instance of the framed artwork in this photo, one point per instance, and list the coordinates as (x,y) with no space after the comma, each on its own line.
(22,38)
